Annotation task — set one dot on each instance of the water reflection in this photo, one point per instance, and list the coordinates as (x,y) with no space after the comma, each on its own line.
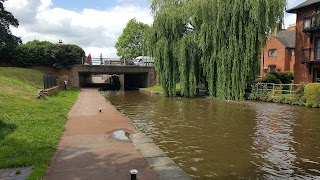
(273,139)
(228,140)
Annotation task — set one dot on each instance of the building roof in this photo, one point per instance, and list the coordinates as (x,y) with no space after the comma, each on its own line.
(287,38)
(302,5)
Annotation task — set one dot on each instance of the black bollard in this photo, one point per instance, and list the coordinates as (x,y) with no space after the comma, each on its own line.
(133,173)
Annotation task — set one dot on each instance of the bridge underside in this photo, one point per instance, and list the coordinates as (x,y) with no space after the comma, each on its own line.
(129,81)
(132,77)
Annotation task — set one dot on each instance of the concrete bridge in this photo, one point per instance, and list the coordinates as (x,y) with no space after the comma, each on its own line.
(134,76)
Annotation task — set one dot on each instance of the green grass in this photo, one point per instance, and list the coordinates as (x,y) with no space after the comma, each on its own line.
(155,88)
(30,128)
(158,88)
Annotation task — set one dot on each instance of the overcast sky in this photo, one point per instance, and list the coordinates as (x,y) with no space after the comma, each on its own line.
(94,25)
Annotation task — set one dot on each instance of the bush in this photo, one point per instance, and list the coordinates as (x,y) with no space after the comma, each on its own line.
(257,94)
(300,89)
(45,53)
(284,77)
(312,94)
(270,78)
(278,78)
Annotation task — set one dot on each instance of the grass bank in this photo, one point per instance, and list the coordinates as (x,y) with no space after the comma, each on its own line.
(159,89)
(30,128)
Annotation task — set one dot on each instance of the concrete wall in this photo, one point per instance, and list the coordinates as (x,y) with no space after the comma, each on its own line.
(52,90)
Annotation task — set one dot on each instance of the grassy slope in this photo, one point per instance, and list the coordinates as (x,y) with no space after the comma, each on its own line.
(158,88)
(155,88)
(30,128)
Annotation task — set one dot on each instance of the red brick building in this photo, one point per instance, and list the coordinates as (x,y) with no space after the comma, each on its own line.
(307,65)
(279,54)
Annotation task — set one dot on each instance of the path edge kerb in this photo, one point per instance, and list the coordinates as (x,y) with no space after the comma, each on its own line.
(158,160)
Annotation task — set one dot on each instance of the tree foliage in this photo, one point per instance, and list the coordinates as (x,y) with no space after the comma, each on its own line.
(216,43)
(43,53)
(129,44)
(7,20)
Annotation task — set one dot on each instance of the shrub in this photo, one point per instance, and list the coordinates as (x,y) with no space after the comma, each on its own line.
(270,78)
(284,77)
(45,53)
(312,94)
(300,89)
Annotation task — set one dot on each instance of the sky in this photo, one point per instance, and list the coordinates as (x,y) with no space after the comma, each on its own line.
(94,25)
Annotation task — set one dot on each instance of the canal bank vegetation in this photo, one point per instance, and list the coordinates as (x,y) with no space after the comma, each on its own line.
(30,128)
(215,43)
(158,89)
(295,94)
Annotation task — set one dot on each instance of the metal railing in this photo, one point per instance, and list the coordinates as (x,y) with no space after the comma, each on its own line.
(290,89)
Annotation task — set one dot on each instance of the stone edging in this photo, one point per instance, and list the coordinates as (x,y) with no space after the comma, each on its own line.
(164,167)
(20,173)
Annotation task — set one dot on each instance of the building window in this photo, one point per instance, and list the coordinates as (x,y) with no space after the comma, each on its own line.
(272,68)
(272,53)
(317,75)
(292,52)
(317,50)
(307,23)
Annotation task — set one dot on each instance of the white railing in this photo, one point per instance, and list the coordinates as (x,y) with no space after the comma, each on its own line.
(277,88)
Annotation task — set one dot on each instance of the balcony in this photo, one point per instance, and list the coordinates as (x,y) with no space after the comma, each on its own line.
(311,23)
(311,55)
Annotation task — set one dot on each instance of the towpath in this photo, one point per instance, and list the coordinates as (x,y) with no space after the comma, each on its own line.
(88,150)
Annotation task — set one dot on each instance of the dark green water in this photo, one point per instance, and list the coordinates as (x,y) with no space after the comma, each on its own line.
(212,139)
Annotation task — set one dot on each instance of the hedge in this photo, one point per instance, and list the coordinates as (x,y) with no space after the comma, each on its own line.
(312,94)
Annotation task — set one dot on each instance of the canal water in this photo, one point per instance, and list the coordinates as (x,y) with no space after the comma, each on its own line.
(228,139)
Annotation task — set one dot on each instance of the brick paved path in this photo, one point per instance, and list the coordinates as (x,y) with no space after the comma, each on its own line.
(87,149)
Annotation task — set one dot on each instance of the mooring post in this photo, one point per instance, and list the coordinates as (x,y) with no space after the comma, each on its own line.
(133,173)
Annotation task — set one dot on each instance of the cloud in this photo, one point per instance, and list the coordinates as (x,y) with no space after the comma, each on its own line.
(96,31)
(290,18)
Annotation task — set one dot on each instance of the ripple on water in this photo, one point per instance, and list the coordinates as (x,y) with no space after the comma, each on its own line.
(229,140)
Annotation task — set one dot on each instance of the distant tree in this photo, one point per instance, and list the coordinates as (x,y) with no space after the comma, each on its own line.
(68,54)
(130,43)
(7,19)
(45,53)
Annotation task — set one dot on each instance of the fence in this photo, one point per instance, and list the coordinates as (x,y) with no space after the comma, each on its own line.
(49,81)
(100,61)
(277,89)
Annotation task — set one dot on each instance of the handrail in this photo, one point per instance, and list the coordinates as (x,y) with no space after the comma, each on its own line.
(290,90)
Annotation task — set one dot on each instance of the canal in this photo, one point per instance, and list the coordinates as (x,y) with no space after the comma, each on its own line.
(228,139)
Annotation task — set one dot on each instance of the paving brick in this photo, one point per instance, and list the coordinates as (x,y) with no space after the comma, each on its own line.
(5,173)
(13,173)
(6,178)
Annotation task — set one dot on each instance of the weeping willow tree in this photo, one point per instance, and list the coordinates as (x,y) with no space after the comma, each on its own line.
(216,43)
